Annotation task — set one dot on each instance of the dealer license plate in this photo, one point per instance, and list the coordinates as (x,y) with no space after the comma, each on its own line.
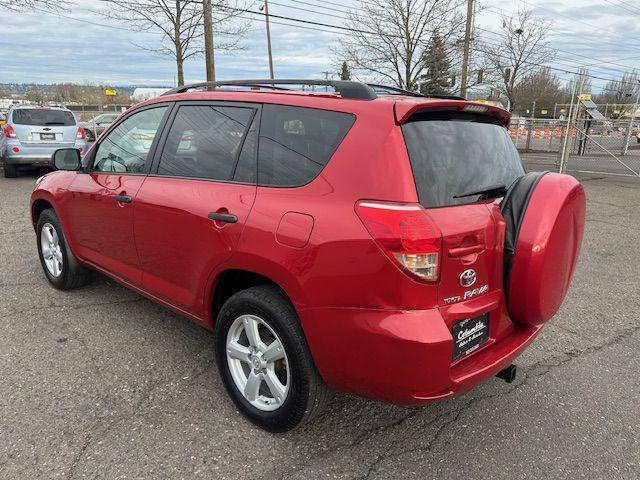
(469,335)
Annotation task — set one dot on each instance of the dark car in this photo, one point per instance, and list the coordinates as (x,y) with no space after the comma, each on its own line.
(376,242)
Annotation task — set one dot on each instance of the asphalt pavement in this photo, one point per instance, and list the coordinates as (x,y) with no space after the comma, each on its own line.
(102,383)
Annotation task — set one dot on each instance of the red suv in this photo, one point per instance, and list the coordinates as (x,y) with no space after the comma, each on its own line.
(350,237)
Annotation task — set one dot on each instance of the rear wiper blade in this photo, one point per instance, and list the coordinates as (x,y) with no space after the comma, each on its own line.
(486,191)
(54,123)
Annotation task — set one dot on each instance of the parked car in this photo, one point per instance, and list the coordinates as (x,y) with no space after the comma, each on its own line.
(32,134)
(386,245)
(94,127)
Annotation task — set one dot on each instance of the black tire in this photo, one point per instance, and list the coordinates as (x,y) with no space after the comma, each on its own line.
(10,171)
(89,135)
(73,275)
(308,393)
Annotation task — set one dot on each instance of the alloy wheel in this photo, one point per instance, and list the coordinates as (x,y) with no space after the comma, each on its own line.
(51,251)
(258,362)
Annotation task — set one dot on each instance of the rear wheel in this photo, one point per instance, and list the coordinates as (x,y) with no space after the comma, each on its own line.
(264,360)
(10,171)
(89,135)
(58,263)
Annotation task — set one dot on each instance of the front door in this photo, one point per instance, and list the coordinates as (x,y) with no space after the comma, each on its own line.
(190,211)
(100,210)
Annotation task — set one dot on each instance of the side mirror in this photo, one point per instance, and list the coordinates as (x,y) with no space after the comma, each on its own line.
(66,159)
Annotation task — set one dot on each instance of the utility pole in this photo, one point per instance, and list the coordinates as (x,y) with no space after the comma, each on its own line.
(467,48)
(625,149)
(266,19)
(209,58)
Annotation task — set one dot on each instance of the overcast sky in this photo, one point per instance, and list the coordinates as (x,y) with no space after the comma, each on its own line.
(81,46)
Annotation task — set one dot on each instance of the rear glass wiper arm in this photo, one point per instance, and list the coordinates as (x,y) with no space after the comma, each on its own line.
(54,123)
(486,191)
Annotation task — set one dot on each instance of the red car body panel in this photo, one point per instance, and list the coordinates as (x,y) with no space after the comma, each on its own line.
(372,330)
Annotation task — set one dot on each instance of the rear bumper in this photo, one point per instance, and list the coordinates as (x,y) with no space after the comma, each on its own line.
(402,357)
(31,154)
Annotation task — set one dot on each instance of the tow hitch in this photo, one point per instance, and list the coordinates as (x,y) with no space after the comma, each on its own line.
(508,374)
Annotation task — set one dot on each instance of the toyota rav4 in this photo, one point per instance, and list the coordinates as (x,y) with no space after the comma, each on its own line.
(355,237)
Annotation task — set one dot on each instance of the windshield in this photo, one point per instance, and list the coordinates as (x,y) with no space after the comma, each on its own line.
(453,154)
(37,116)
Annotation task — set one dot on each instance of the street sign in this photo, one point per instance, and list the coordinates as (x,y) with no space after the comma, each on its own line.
(585,96)
(110,93)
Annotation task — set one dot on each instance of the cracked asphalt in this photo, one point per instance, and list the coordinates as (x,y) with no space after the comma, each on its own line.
(102,383)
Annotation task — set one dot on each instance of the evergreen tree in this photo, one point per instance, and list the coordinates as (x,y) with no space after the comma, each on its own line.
(345,74)
(437,79)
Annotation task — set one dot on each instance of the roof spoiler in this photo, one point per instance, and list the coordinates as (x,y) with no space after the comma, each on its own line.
(405,109)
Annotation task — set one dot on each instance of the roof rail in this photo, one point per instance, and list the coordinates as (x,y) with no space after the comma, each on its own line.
(402,91)
(347,89)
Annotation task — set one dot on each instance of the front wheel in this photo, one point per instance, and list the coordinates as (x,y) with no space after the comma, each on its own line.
(264,361)
(60,266)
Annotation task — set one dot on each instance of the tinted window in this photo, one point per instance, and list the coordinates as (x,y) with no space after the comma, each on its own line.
(247,167)
(454,154)
(42,116)
(126,148)
(296,143)
(205,141)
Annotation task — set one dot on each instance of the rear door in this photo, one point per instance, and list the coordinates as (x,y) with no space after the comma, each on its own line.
(191,210)
(455,157)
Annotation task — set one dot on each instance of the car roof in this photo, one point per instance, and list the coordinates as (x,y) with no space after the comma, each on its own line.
(401,106)
(38,107)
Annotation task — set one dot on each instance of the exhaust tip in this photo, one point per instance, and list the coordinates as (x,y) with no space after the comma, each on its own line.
(508,374)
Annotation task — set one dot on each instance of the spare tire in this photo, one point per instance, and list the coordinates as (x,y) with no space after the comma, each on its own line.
(545,215)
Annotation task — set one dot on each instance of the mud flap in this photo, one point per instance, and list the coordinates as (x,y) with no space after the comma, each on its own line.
(545,214)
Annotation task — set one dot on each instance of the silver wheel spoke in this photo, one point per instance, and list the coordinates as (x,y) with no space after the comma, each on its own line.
(273,352)
(251,328)
(47,234)
(275,387)
(253,386)
(237,351)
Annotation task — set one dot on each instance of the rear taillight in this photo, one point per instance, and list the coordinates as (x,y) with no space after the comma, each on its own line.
(9,132)
(407,235)
(80,135)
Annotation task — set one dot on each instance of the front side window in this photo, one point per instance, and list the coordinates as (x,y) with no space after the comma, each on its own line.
(205,142)
(126,148)
(296,143)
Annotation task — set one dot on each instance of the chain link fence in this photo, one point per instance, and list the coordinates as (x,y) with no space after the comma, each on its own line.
(609,147)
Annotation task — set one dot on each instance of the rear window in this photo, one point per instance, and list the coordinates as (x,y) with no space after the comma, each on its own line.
(34,116)
(454,154)
(296,143)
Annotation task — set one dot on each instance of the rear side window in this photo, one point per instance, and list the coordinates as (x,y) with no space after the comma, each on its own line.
(205,141)
(40,116)
(454,154)
(296,143)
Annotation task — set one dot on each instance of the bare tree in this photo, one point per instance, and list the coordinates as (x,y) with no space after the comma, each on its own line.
(20,5)
(390,37)
(541,86)
(523,50)
(624,90)
(179,22)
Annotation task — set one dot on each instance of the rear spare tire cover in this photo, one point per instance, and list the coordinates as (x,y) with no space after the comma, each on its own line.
(545,215)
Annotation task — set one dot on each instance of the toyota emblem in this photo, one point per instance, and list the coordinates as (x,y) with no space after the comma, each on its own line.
(467,278)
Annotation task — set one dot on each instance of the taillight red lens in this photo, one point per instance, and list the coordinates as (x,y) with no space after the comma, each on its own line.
(9,132)
(80,135)
(407,235)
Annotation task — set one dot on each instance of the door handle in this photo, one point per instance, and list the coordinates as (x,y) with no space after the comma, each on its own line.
(462,251)
(123,198)
(223,217)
